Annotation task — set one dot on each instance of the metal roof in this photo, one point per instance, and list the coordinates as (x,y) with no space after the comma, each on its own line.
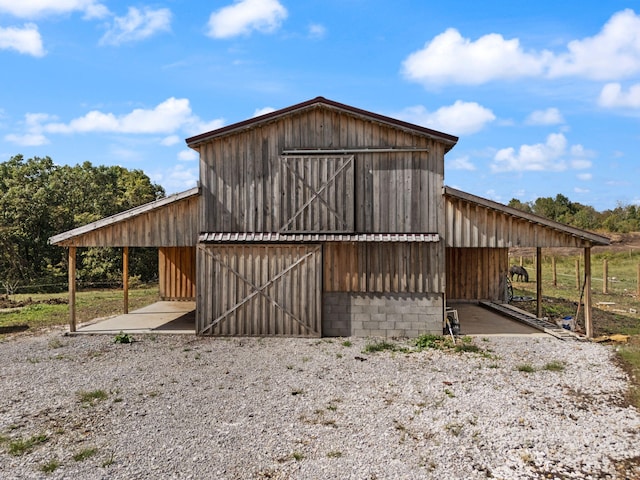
(449,140)
(217,237)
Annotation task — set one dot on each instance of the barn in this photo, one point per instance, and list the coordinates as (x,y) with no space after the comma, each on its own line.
(322,219)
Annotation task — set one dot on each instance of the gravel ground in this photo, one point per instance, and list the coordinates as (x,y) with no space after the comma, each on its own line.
(206,408)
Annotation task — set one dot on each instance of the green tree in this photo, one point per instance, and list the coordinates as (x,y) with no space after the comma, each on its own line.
(39,199)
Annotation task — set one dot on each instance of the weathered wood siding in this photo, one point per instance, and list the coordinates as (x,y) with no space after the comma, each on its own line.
(384,267)
(260,290)
(172,225)
(247,187)
(177,273)
(471,225)
(476,273)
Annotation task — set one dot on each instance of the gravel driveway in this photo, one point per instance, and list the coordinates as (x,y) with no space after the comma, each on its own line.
(209,408)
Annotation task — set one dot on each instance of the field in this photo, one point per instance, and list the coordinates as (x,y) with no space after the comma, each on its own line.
(34,312)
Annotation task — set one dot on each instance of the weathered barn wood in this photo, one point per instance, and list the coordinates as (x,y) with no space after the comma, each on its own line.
(260,290)
(403,267)
(177,273)
(477,222)
(392,171)
(170,221)
(476,273)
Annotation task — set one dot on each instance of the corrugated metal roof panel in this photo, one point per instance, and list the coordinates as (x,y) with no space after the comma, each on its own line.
(225,237)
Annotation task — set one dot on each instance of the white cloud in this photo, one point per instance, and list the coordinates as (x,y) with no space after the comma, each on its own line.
(178,179)
(612,53)
(187,155)
(612,96)
(460,163)
(26,40)
(585,176)
(171,116)
(550,116)
(539,157)
(170,140)
(263,111)
(451,58)
(167,117)
(40,8)
(197,126)
(137,25)
(317,31)
(27,140)
(554,155)
(245,16)
(33,136)
(461,118)
(581,190)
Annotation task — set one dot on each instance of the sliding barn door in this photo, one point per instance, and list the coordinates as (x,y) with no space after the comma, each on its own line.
(260,290)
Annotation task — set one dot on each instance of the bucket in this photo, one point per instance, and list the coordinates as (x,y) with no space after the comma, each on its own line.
(566,322)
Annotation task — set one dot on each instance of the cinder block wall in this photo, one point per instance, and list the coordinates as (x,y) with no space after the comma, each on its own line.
(381,315)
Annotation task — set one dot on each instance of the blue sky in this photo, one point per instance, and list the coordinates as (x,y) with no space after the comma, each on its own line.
(545,96)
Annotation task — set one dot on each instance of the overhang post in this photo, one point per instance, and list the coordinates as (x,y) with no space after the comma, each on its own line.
(125,277)
(539,282)
(588,321)
(72,289)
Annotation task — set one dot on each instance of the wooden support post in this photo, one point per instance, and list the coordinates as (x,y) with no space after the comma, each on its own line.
(521,261)
(539,282)
(605,276)
(588,322)
(72,289)
(125,277)
(578,273)
(554,273)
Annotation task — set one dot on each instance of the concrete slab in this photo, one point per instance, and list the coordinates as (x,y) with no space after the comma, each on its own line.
(159,317)
(476,320)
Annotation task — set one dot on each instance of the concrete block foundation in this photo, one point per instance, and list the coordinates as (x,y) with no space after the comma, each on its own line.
(387,315)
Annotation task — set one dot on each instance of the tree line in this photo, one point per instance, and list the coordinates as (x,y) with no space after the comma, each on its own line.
(39,199)
(622,219)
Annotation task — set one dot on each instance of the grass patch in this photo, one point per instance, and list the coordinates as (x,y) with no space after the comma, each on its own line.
(525,367)
(380,346)
(84,454)
(50,466)
(21,446)
(297,456)
(334,454)
(347,343)
(629,357)
(92,396)
(554,366)
(123,338)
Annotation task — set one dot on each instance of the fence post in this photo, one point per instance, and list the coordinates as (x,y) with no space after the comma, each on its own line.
(521,264)
(605,276)
(554,274)
(578,273)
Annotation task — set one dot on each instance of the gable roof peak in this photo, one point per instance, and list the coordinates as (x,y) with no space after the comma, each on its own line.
(195,141)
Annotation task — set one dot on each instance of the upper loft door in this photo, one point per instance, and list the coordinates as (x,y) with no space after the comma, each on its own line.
(317,194)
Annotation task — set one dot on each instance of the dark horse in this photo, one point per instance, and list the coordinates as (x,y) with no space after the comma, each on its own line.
(518,272)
